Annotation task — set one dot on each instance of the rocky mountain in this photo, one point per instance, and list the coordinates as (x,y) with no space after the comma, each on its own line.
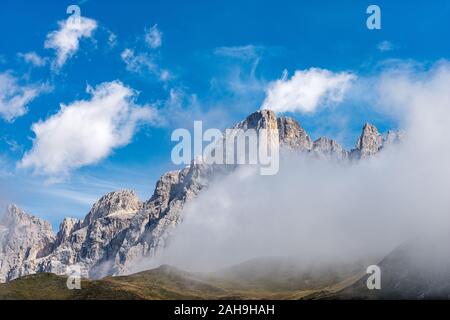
(24,239)
(120,228)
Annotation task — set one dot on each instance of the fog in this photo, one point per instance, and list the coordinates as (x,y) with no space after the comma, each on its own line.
(327,211)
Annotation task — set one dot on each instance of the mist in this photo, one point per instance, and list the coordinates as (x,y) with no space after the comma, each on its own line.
(321,210)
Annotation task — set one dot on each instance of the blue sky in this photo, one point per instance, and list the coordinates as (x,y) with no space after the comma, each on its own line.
(183,61)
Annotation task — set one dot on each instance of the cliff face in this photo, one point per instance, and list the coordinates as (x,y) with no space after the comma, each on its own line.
(292,135)
(23,239)
(120,228)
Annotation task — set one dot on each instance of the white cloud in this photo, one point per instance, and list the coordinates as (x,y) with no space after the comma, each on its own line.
(138,62)
(147,60)
(112,39)
(12,144)
(141,63)
(307,90)
(248,52)
(385,45)
(165,75)
(87,131)
(14,97)
(33,58)
(153,37)
(66,40)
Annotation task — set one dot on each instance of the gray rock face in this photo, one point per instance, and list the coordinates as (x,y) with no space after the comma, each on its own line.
(263,119)
(118,203)
(23,240)
(393,137)
(66,228)
(95,242)
(328,148)
(120,229)
(151,228)
(292,135)
(369,143)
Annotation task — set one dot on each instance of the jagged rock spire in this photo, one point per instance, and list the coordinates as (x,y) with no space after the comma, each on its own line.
(292,135)
(289,131)
(370,141)
(66,228)
(393,137)
(262,119)
(328,148)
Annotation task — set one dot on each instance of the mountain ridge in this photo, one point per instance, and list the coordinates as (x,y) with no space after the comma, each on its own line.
(120,228)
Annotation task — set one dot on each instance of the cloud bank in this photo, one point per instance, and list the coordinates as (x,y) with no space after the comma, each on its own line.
(87,131)
(329,212)
(307,90)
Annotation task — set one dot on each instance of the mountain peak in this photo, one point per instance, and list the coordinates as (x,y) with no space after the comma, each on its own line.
(66,228)
(393,137)
(16,217)
(325,148)
(292,135)
(124,201)
(261,119)
(370,141)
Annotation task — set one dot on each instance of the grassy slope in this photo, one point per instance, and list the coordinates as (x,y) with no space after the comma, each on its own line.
(404,276)
(163,283)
